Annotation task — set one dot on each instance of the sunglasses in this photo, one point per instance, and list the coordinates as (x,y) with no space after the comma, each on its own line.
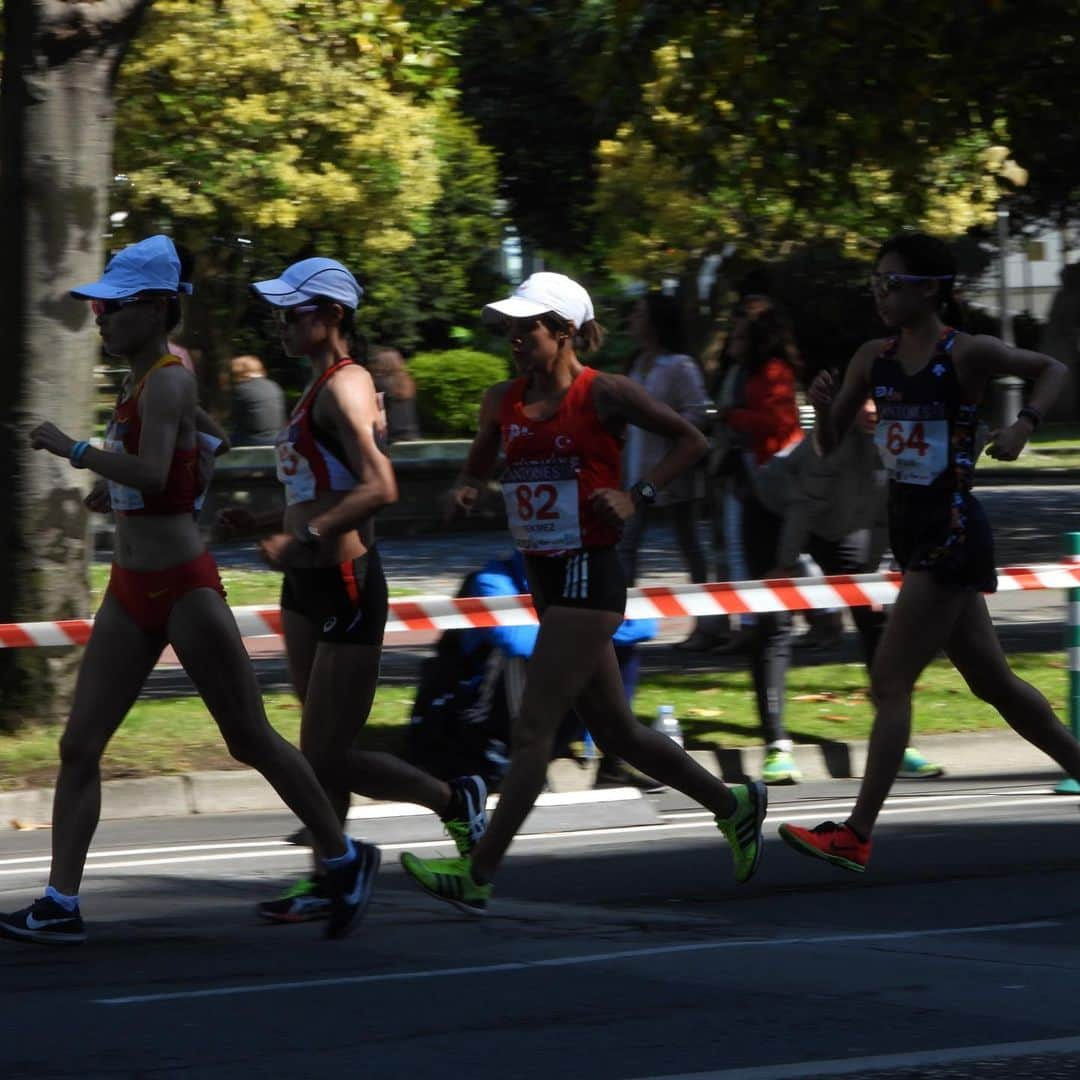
(111,307)
(287,316)
(884,284)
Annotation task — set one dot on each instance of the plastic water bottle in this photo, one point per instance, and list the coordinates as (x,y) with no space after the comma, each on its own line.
(667,724)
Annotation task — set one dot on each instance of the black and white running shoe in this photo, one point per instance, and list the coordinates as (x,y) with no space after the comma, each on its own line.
(46,922)
(350,888)
(466,819)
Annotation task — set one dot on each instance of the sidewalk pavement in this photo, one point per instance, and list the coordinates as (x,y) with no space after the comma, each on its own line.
(571,801)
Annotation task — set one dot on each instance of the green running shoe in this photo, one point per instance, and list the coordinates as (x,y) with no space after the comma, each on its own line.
(743,829)
(916,767)
(450,880)
(780,768)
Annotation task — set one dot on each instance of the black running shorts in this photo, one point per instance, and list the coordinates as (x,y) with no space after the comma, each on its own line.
(348,602)
(944,533)
(589,578)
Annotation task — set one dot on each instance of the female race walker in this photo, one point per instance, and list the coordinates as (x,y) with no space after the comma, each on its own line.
(928,381)
(561,427)
(164,590)
(334,593)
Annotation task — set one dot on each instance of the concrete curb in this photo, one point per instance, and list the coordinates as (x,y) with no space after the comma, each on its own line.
(987,755)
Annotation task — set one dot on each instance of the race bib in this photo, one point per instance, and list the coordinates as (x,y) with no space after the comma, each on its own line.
(543,515)
(122,498)
(294,471)
(913,451)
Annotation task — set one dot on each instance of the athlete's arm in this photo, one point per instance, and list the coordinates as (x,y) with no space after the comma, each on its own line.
(835,410)
(205,424)
(620,400)
(348,408)
(983,357)
(483,454)
(168,396)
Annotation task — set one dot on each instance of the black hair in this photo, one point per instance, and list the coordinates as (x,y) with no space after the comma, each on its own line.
(770,334)
(356,341)
(925,254)
(174,312)
(665,320)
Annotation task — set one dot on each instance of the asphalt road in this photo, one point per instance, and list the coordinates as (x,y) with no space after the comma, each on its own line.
(608,953)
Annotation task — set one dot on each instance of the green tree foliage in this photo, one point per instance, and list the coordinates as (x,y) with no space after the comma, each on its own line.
(262,131)
(450,386)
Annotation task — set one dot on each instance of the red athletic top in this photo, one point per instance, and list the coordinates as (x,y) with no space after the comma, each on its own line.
(182,488)
(310,460)
(552,468)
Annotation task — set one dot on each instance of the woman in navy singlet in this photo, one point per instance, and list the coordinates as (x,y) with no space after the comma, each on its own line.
(334,593)
(560,425)
(164,590)
(928,380)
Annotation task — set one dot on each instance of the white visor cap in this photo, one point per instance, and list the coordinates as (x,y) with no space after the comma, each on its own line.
(543,292)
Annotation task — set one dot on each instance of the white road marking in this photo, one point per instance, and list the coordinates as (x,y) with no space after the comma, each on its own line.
(125,859)
(579,961)
(865,1066)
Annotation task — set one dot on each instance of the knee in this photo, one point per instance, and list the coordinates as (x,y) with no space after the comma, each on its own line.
(887,688)
(995,688)
(249,747)
(79,753)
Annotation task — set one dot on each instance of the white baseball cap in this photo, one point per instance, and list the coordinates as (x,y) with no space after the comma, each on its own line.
(151,265)
(545,292)
(311,278)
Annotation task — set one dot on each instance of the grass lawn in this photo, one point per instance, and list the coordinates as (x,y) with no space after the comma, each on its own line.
(715,709)
(243,586)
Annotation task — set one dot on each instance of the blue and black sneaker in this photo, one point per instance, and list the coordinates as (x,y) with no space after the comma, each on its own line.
(350,888)
(44,921)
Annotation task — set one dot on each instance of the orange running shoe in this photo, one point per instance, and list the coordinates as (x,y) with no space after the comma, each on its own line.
(837,844)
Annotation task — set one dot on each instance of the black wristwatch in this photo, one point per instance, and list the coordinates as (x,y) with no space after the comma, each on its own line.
(309,536)
(643,492)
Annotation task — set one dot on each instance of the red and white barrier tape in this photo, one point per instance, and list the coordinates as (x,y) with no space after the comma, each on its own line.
(649,602)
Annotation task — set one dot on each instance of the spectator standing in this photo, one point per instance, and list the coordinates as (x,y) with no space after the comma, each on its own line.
(674,378)
(397,391)
(758,407)
(258,404)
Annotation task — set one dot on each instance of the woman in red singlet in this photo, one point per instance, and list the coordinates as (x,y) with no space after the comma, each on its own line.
(334,593)
(164,590)
(561,427)
(927,381)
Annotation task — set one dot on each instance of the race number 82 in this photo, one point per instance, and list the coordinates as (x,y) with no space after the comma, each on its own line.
(536,502)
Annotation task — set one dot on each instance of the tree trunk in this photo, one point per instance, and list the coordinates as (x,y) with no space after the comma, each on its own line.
(56,108)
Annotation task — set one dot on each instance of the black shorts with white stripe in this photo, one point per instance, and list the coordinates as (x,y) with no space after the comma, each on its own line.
(588,578)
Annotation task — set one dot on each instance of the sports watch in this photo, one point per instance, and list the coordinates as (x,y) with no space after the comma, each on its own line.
(643,492)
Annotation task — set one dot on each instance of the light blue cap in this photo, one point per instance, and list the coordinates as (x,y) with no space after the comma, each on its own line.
(308,279)
(151,265)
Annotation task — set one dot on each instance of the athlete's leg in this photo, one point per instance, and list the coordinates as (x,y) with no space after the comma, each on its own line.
(976,651)
(920,625)
(339,698)
(204,634)
(569,648)
(301,641)
(118,658)
(603,706)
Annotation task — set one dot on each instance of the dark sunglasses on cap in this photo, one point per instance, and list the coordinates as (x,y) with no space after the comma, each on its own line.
(287,316)
(890,283)
(110,307)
